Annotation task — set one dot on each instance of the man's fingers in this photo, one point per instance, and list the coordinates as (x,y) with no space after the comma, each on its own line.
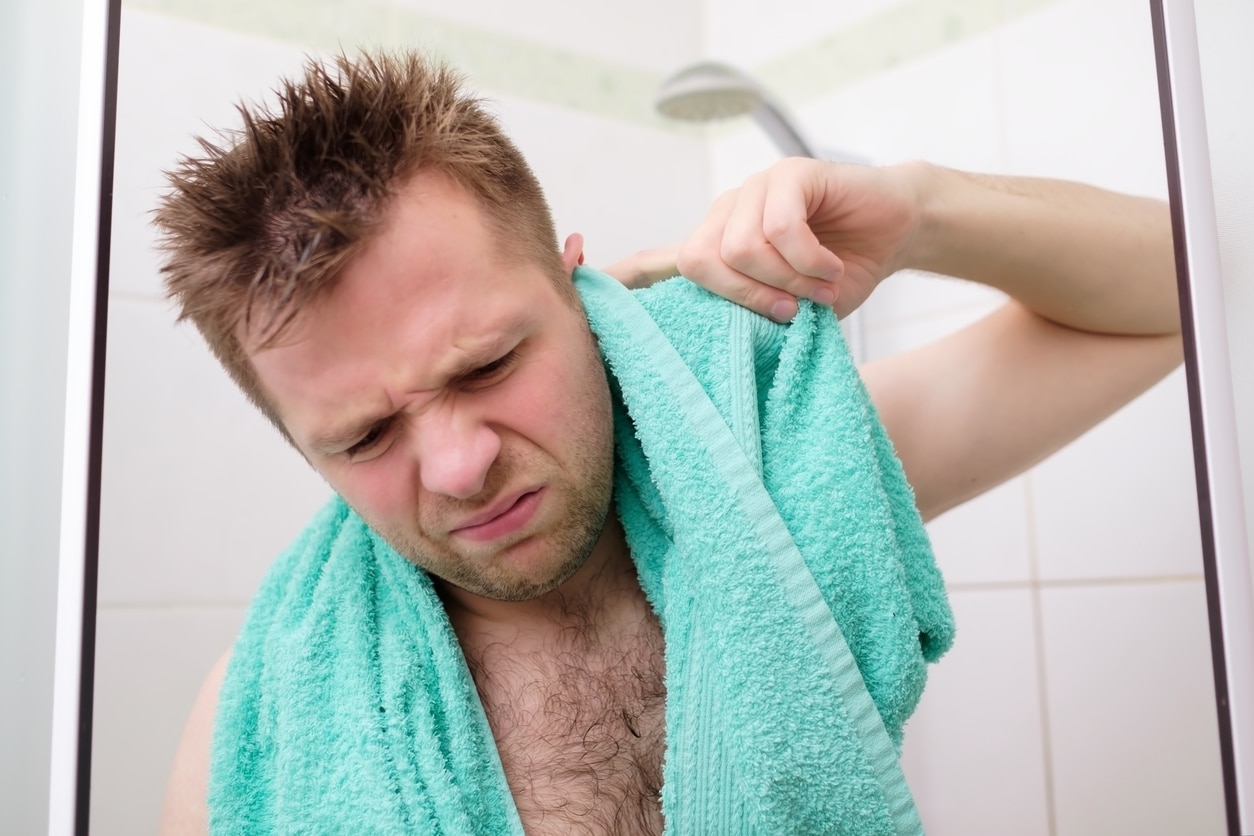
(755,246)
(763,217)
(703,265)
(785,219)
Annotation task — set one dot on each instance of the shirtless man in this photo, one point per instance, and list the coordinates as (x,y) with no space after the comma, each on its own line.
(397,304)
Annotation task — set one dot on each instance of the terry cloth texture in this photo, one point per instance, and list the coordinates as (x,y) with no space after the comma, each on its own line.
(775,536)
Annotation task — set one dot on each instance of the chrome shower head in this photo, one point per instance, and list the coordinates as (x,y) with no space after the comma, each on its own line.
(710,90)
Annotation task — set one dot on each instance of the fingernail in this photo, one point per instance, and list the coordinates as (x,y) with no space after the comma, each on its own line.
(783,310)
(823,296)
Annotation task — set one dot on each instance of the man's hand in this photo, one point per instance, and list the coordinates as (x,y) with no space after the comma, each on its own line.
(824,231)
(804,228)
(1091,321)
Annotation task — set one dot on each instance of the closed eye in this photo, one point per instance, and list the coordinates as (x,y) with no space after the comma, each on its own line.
(490,371)
(367,442)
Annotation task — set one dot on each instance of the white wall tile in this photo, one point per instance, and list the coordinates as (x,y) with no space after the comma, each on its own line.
(149,667)
(1069,90)
(1080,95)
(912,294)
(625,187)
(973,751)
(1121,501)
(941,107)
(747,32)
(885,337)
(738,149)
(199,493)
(986,539)
(1131,706)
(655,34)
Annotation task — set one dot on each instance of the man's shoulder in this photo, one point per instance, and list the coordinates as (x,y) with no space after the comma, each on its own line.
(185,810)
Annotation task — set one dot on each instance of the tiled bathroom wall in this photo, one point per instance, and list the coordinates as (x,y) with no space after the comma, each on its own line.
(1077,698)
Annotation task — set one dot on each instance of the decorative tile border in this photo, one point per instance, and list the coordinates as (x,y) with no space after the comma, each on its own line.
(490,60)
(585,83)
(878,43)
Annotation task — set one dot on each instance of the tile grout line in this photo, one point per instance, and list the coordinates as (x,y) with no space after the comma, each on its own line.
(1069,583)
(136,296)
(1038,633)
(199,607)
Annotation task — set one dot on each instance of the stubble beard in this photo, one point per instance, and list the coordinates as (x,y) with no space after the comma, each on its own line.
(569,543)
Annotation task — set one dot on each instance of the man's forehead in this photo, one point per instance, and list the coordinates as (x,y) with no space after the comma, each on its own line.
(409,216)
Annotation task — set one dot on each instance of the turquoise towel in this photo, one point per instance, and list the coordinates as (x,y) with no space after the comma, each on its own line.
(774,534)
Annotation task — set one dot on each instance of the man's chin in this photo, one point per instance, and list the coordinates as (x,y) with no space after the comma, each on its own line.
(518,587)
(522,567)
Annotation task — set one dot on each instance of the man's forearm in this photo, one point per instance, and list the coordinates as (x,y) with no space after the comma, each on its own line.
(1078,255)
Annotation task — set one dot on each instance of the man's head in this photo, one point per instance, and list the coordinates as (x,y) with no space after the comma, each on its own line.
(264,222)
(376,266)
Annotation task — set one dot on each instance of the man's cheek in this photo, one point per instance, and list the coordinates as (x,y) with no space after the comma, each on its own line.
(383,494)
(550,399)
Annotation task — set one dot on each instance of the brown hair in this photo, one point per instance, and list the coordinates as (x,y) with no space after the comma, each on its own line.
(264,222)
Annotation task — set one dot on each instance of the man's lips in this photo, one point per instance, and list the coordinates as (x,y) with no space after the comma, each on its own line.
(505,517)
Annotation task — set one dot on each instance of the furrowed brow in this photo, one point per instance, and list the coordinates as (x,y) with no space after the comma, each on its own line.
(481,354)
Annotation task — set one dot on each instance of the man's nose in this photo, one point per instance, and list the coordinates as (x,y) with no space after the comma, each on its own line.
(455,453)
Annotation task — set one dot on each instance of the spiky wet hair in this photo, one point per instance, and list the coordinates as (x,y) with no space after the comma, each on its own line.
(266,217)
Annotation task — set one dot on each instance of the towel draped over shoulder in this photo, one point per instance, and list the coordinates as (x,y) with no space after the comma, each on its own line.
(775,536)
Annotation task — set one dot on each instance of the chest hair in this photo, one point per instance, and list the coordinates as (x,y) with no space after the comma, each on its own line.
(580,727)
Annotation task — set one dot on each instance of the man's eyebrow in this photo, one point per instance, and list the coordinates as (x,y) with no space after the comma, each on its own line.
(488,351)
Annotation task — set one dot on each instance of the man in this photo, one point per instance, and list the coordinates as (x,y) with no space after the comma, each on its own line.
(375,266)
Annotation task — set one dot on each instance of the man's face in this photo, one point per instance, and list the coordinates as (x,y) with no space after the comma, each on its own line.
(454,399)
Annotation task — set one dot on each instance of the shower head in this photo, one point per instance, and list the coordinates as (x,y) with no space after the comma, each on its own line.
(710,90)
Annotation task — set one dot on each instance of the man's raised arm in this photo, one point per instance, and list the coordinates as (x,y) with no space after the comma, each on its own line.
(1092,319)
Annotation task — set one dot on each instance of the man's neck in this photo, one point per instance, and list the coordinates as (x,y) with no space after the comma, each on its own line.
(597,599)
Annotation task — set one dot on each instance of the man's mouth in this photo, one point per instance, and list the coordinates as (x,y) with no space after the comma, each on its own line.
(502,518)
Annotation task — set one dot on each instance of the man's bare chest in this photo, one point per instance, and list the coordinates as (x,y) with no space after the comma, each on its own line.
(581,733)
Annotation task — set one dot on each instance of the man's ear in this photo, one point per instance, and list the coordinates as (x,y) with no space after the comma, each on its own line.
(572,254)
